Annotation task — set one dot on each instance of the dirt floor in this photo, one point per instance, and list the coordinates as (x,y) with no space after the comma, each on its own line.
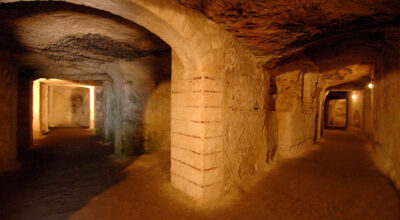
(71,176)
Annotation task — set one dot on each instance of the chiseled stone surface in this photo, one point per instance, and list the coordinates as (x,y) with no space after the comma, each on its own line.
(67,41)
(381,123)
(298,89)
(281,28)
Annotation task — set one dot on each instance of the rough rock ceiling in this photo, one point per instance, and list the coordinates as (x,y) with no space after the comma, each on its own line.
(276,29)
(359,84)
(62,40)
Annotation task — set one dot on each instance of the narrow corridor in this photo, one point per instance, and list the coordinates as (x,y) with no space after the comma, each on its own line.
(81,180)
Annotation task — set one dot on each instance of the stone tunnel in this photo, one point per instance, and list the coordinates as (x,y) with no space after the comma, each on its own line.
(183,109)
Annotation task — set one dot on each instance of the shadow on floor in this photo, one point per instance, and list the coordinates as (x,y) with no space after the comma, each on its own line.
(337,180)
(60,175)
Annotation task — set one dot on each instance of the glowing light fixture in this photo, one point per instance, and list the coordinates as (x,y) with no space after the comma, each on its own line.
(370,85)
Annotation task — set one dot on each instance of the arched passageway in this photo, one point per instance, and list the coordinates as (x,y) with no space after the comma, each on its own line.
(198,109)
(207,96)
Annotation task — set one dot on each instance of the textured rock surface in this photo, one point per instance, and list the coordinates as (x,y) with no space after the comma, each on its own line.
(61,40)
(381,122)
(278,29)
(298,86)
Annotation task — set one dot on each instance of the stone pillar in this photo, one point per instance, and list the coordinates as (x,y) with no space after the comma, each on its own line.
(134,98)
(131,138)
(109,105)
(99,107)
(44,105)
(196,133)
(36,109)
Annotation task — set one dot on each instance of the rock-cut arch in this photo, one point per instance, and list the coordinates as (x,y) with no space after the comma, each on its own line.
(195,145)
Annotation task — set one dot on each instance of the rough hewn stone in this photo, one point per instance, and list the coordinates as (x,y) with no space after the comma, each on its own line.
(280,29)
(88,39)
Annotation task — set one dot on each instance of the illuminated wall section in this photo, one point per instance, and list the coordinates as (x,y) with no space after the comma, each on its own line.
(36,109)
(55,99)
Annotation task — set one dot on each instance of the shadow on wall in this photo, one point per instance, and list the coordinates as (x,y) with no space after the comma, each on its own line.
(14,118)
(157,119)
(9,41)
(146,106)
(80,106)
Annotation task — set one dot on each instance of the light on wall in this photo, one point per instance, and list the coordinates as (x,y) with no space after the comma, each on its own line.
(36,108)
(92,106)
(354,96)
(370,85)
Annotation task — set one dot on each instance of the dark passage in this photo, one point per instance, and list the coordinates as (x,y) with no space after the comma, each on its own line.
(66,169)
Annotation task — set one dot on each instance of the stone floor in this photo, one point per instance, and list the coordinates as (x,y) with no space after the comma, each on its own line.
(71,176)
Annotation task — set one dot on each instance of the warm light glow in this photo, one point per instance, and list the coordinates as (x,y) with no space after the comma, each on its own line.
(36,108)
(370,85)
(91,106)
(354,96)
(36,101)
(92,103)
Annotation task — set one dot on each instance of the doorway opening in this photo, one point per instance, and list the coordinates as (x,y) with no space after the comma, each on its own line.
(61,104)
(336,110)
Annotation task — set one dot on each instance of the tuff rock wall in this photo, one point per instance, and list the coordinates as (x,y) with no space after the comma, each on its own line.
(298,87)
(8,112)
(381,121)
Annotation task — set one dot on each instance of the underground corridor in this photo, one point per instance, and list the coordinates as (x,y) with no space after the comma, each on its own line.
(183,109)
